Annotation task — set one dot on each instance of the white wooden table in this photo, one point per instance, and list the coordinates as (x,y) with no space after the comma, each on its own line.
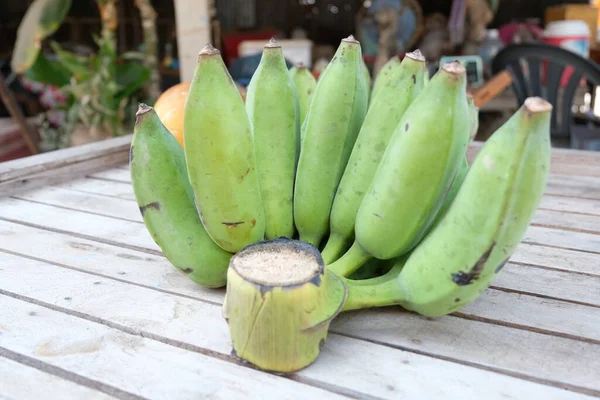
(90,309)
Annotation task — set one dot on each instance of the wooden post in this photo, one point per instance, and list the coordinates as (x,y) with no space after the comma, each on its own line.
(27,132)
(193,32)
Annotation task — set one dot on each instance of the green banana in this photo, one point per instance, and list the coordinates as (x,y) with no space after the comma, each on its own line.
(415,172)
(462,255)
(366,76)
(335,116)
(163,192)
(220,156)
(405,83)
(385,76)
(305,84)
(270,102)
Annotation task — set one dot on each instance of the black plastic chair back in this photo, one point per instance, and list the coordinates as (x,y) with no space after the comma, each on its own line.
(527,63)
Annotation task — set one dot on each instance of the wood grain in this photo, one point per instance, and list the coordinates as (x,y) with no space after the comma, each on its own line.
(62,165)
(197,325)
(14,374)
(137,365)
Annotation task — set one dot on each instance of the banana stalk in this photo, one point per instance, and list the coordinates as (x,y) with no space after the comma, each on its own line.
(220,156)
(461,256)
(165,197)
(333,121)
(415,173)
(405,83)
(271,106)
(279,303)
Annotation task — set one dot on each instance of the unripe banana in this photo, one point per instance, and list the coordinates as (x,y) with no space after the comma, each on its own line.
(220,156)
(460,257)
(384,77)
(488,218)
(415,173)
(270,102)
(366,76)
(165,197)
(336,113)
(405,83)
(305,84)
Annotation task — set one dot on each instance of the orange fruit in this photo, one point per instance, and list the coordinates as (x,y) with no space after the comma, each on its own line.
(170,107)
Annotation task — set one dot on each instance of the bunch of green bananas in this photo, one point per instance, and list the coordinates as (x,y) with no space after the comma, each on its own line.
(374,177)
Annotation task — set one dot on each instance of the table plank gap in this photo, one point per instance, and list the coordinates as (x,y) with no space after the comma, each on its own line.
(16,369)
(558,269)
(90,300)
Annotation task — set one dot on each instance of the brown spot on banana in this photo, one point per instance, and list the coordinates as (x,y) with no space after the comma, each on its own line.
(462,278)
(232,224)
(155,205)
(187,270)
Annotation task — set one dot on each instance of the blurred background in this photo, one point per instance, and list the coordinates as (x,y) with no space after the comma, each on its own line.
(73,72)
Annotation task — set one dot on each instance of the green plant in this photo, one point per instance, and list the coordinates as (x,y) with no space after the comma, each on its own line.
(102,89)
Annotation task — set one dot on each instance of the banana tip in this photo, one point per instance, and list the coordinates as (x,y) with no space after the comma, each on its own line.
(272,44)
(300,65)
(208,50)
(416,55)
(143,109)
(537,105)
(455,68)
(350,39)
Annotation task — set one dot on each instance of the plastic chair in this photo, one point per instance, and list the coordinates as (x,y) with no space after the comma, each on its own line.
(537,70)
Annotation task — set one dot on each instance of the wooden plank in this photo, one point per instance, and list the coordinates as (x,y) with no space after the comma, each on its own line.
(577,186)
(113,174)
(550,316)
(138,366)
(172,319)
(583,289)
(513,351)
(101,187)
(78,223)
(21,382)
(562,239)
(567,220)
(569,204)
(566,260)
(92,203)
(61,165)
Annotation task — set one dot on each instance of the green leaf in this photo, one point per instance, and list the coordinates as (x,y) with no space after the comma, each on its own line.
(41,20)
(75,64)
(130,77)
(48,72)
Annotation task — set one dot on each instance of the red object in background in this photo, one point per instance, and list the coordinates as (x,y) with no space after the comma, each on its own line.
(232,41)
(12,145)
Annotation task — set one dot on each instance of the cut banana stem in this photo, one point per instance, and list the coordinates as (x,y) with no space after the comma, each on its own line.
(333,121)
(461,256)
(270,102)
(279,303)
(415,173)
(220,156)
(305,84)
(404,84)
(166,200)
